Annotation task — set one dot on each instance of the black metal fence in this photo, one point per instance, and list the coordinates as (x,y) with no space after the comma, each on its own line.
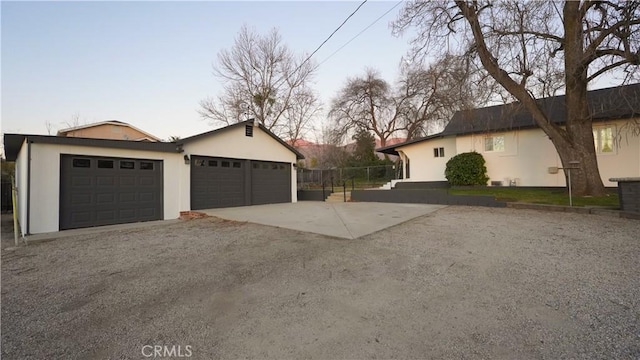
(356,177)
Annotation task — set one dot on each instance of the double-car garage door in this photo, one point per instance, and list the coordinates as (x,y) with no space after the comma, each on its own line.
(222,182)
(98,191)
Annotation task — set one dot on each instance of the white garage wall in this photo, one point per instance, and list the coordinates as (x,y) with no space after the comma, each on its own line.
(21,185)
(45,180)
(232,143)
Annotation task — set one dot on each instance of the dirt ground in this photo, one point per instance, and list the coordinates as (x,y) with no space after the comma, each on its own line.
(462,282)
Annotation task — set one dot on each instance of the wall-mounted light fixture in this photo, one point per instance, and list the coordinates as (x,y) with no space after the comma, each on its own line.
(187,160)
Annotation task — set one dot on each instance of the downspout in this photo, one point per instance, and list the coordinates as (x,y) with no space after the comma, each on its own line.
(26,227)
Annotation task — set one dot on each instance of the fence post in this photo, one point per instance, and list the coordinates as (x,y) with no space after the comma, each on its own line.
(352,184)
(323,195)
(344,191)
(367,174)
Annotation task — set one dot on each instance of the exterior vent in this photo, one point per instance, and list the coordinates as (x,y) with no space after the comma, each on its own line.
(248,130)
(496,183)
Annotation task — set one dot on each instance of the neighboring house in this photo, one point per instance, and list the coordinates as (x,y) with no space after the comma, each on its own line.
(69,182)
(518,152)
(112,129)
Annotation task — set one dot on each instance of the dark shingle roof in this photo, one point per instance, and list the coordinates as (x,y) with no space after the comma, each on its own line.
(13,143)
(604,104)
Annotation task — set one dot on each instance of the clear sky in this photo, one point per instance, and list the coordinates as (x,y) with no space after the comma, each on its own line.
(150,63)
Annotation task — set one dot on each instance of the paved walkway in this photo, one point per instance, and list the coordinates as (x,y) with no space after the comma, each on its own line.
(349,220)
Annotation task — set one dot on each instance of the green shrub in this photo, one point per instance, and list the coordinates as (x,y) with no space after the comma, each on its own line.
(466,169)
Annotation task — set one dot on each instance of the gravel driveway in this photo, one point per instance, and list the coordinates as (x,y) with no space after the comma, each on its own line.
(462,282)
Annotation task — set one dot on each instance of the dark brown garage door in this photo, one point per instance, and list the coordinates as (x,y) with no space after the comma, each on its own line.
(98,191)
(217,182)
(270,182)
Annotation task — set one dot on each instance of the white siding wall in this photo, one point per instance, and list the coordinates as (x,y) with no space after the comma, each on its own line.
(233,143)
(424,166)
(21,185)
(527,156)
(45,180)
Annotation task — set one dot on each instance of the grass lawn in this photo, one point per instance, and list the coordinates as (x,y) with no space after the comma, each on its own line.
(540,196)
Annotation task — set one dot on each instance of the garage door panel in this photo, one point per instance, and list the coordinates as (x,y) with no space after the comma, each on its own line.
(127,181)
(106,215)
(216,182)
(108,199)
(270,182)
(81,181)
(104,191)
(81,199)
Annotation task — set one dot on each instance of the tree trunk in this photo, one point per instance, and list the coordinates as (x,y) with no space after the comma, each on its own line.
(579,143)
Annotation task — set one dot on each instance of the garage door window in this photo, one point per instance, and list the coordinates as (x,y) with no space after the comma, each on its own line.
(81,163)
(237,164)
(213,163)
(105,164)
(146,165)
(199,162)
(128,165)
(226,164)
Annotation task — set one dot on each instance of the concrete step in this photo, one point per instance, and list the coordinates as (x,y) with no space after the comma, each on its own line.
(338,197)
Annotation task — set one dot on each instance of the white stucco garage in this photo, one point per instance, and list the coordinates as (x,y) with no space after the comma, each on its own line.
(66,183)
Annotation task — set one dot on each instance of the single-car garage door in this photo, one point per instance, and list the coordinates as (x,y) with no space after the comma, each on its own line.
(217,182)
(98,191)
(270,182)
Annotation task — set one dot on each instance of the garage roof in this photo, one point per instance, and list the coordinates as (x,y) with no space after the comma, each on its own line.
(299,156)
(13,143)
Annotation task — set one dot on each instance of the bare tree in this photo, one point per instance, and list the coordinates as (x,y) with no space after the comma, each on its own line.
(73,122)
(429,96)
(264,80)
(49,126)
(530,48)
(366,103)
(303,109)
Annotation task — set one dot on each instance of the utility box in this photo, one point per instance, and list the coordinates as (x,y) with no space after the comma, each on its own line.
(629,193)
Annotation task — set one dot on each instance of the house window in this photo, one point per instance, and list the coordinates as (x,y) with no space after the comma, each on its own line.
(438,152)
(494,143)
(603,138)
(248,130)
